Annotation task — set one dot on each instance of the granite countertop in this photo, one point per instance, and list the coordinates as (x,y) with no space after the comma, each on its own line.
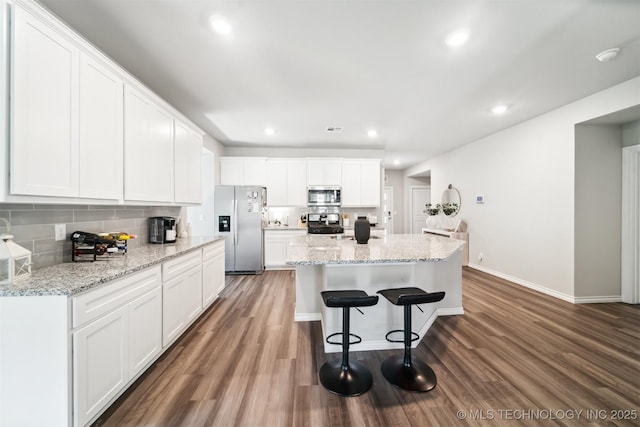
(74,277)
(284,227)
(392,248)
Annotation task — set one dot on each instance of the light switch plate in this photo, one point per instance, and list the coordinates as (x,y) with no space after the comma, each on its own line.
(61,232)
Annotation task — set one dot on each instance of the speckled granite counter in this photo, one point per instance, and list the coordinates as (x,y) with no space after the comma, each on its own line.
(392,248)
(75,277)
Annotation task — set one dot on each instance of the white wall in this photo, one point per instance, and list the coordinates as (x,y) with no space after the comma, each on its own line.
(631,134)
(598,208)
(525,228)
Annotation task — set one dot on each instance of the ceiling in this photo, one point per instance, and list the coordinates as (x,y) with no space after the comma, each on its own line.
(299,67)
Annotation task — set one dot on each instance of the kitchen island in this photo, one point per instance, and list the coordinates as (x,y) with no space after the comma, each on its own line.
(430,262)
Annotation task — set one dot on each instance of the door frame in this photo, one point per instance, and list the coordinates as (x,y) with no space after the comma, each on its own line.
(411,210)
(630,229)
(390,226)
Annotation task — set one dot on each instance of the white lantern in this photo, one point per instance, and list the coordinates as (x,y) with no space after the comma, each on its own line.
(15,261)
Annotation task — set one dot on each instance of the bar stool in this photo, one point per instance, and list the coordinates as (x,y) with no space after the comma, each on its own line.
(343,377)
(407,372)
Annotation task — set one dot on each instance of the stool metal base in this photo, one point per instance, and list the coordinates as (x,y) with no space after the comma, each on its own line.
(416,377)
(353,381)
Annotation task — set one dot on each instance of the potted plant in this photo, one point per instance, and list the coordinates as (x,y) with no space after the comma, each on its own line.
(449,208)
(432,210)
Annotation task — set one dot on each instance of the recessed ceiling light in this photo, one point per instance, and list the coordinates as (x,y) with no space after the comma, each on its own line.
(499,109)
(269,131)
(372,133)
(219,24)
(396,162)
(608,55)
(457,38)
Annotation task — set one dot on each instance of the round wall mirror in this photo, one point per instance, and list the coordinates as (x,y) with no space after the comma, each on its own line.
(450,201)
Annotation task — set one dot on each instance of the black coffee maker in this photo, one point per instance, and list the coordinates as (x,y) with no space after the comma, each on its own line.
(162,229)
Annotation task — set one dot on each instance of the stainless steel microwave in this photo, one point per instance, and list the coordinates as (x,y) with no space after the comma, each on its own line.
(324,196)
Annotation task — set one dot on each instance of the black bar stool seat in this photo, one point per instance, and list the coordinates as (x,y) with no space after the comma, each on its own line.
(404,371)
(341,376)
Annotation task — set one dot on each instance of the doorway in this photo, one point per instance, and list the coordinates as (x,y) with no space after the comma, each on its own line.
(420,196)
(387,209)
(630,263)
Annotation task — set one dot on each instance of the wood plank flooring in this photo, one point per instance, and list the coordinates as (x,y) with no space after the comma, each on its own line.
(516,357)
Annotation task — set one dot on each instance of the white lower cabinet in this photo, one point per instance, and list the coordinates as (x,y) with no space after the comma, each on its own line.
(118,334)
(276,243)
(181,294)
(145,341)
(80,353)
(212,272)
(101,363)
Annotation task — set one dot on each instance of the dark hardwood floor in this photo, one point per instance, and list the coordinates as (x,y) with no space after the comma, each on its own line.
(515,357)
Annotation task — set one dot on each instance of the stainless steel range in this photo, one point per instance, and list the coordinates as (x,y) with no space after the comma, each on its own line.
(324,222)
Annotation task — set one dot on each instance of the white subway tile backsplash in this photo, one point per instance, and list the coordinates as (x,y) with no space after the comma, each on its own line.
(32,225)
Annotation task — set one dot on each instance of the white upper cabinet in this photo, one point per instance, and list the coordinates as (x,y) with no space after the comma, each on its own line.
(81,128)
(296,182)
(148,150)
(361,183)
(277,182)
(286,182)
(243,171)
(188,164)
(44,110)
(101,130)
(324,172)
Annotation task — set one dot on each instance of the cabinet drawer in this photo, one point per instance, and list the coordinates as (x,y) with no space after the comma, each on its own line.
(95,303)
(212,250)
(175,267)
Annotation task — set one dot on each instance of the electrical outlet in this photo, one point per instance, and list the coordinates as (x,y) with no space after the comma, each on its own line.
(61,232)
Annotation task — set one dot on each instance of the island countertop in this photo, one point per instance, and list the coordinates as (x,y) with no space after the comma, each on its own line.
(392,248)
(71,278)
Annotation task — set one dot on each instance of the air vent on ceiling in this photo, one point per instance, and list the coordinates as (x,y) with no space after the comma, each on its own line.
(333,129)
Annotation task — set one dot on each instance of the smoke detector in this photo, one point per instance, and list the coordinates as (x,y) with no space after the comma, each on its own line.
(334,129)
(608,55)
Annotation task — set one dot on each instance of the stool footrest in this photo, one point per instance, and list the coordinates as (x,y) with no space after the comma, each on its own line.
(414,336)
(358,339)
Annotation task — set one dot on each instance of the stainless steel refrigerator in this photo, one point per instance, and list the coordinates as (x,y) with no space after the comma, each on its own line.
(239,217)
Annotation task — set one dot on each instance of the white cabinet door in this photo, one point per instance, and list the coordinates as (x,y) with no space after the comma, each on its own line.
(333,172)
(324,172)
(255,171)
(276,246)
(351,180)
(277,190)
(188,164)
(231,171)
(275,251)
(148,150)
(193,294)
(181,302)
(173,303)
(44,110)
(145,333)
(296,187)
(100,363)
(101,131)
(212,272)
(370,183)
(360,183)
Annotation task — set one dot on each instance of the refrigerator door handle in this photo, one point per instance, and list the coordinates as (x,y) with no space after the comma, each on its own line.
(235,218)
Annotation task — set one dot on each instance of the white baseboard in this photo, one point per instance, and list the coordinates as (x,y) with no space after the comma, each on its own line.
(598,299)
(547,291)
(306,317)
